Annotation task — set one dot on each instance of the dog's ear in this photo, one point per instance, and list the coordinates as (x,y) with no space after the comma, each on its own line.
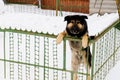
(84,17)
(67,18)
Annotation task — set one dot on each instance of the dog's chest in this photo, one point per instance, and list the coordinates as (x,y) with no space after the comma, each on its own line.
(75,45)
(76,49)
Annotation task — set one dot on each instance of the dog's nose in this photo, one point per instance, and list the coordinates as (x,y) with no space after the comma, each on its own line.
(74,30)
(75,27)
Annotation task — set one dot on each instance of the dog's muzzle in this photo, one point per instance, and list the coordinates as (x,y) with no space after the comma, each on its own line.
(75,30)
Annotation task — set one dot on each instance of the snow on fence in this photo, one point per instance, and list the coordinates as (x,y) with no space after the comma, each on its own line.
(27,55)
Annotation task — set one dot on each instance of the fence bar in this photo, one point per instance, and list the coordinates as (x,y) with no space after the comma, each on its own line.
(11,55)
(87,64)
(64,60)
(27,56)
(46,58)
(93,55)
(64,54)
(55,61)
(4,39)
(114,46)
(19,56)
(36,58)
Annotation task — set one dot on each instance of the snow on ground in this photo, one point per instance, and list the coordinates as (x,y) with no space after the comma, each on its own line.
(1,4)
(114,73)
(43,23)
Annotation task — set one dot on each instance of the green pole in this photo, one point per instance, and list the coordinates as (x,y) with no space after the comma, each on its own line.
(64,53)
(57,3)
(64,60)
(93,55)
(114,46)
(4,57)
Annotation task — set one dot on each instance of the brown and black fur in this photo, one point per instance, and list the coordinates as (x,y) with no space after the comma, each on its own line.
(77,27)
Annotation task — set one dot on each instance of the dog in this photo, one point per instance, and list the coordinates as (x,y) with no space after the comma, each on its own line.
(77,27)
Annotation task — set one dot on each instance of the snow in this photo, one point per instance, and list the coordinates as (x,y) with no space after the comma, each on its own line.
(114,73)
(53,24)
(2,7)
(34,22)
(42,23)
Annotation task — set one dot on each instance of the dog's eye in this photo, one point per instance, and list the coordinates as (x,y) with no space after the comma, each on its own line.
(72,21)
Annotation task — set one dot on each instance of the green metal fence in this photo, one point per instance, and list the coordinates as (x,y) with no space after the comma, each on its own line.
(27,55)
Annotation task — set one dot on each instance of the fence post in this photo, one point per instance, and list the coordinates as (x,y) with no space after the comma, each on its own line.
(100,7)
(46,58)
(4,56)
(39,3)
(93,54)
(114,46)
(118,7)
(64,60)
(57,4)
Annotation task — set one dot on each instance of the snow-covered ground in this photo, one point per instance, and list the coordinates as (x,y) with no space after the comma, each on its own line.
(53,24)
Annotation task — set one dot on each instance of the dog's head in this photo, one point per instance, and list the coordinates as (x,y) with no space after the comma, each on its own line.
(76,25)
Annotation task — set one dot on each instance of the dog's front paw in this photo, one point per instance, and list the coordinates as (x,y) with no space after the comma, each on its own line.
(75,77)
(88,78)
(85,41)
(59,38)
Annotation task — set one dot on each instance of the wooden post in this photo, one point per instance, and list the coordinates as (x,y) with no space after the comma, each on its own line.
(57,4)
(118,6)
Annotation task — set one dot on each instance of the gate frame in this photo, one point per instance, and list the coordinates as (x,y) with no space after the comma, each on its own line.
(114,25)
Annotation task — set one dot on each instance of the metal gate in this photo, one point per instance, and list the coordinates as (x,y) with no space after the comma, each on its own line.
(27,55)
